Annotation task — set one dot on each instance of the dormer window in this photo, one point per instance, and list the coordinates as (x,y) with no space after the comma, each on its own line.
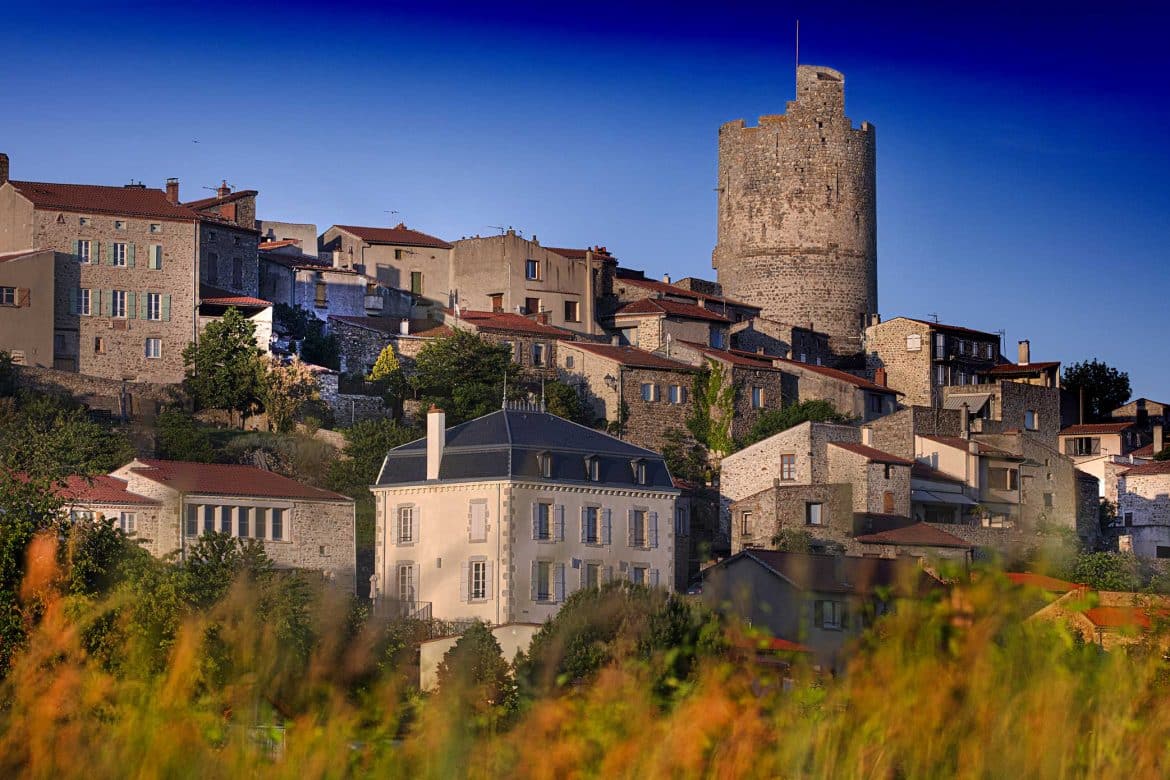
(593,468)
(638,466)
(544,463)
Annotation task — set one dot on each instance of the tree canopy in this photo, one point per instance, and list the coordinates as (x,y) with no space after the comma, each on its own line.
(563,400)
(774,421)
(224,370)
(53,436)
(463,375)
(1105,388)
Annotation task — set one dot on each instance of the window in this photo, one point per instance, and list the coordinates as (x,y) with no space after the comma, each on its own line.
(154,257)
(745,524)
(192,525)
(321,296)
(593,468)
(888,502)
(914,343)
(757,398)
(477,531)
(153,306)
(237,273)
(242,517)
(639,575)
(119,256)
(681,526)
(829,615)
(416,282)
(542,581)
(99,345)
(1083,445)
(405,578)
(212,268)
(538,352)
(119,224)
(544,463)
(7,296)
(406,525)
(1030,420)
(260,522)
(84,251)
(787,467)
(940,375)
(628,337)
(398,254)
(532,305)
(1047,500)
(278,524)
(532,269)
(813,513)
(649,392)
(1161,551)
(639,469)
(154,347)
(85,222)
(572,311)
(716,338)
(128,522)
(208,519)
(940,343)
(568,361)
(875,402)
(1128,519)
(987,351)
(542,521)
(591,575)
(497,302)
(639,535)
(118,303)
(591,525)
(155,227)
(677,394)
(962,348)
(478,585)
(1002,478)
(962,378)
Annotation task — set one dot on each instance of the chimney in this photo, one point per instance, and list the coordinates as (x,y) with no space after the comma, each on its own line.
(1159,440)
(867,436)
(615,340)
(666,278)
(879,377)
(3,167)
(224,190)
(404,327)
(1025,353)
(173,191)
(542,317)
(436,440)
(759,350)
(964,421)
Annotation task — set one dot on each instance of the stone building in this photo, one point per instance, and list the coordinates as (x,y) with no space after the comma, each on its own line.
(501,518)
(533,342)
(360,340)
(302,235)
(652,323)
(167,505)
(1095,447)
(920,358)
(397,257)
(759,386)
(797,213)
(27,306)
(296,279)
(1143,509)
(800,344)
(630,286)
(849,394)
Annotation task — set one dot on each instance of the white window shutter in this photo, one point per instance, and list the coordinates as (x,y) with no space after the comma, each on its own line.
(535,566)
(652,518)
(464,576)
(584,515)
(395,523)
(559,514)
(609,574)
(654,578)
(487,578)
(415,524)
(535,521)
(630,527)
(606,526)
(559,574)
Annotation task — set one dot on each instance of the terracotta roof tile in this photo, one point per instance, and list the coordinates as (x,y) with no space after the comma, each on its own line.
(228,480)
(872,454)
(918,535)
(1125,617)
(400,234)
(101,489)
(953,328)
(836,373)
(510,321)
(1153,468)
(669,308)
(633,357)
(735,357)
(1015,368)
(1099,428)
(99,199)
(217,297)
(204,203)
(682,292)
(1041,581)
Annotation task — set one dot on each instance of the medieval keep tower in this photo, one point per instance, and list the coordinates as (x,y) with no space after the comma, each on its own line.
(797,225)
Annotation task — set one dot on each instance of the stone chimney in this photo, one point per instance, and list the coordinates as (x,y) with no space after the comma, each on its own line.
(173,191)
(867,436)
(1025,353)
(436,440)
(404,327)
(880,378)
(1159,439)
(3,167)
(224,190)
(964,421)
(666,278)
(615,340)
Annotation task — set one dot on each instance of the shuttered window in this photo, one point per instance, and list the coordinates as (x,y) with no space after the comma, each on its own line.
(478,522)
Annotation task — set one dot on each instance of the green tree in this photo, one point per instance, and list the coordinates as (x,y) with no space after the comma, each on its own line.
(793,540)
(713,408)
(181,437)
(224,370)
(563,400)
(366,445)
(685,457)
(1105,388)
(387,372)
(96,552)
(53,436)
(320,348)
(7,375)
(287,388)
(213,562)
(1106,571)
(463,375)
(475,668)
(774,421)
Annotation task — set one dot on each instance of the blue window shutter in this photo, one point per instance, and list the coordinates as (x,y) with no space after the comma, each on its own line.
(535,521)
(606,526)
(77,250)
(487,578)
(559,575)
(166,308)
(653,520)
(131,305)
(535,566)
(464,575)
(559,534)
(654,578)
(130,255)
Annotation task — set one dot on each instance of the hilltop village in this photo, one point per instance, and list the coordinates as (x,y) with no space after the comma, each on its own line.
(769,428)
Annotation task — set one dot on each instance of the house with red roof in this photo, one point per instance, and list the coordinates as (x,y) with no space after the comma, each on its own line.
(1097,447)
(168,505)
(397,257)
(1143,509)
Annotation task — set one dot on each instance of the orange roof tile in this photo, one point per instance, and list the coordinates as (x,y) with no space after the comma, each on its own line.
(400,234)
(872,454)
(217,297)
(1041,581)
(1154,467)
(229,480)
(100,199)
(510,321)
(633,357)
(682,292)
(665,306)
(101,489)
(1098,428)
(918,535)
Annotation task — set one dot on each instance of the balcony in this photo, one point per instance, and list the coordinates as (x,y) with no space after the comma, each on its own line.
(398,609)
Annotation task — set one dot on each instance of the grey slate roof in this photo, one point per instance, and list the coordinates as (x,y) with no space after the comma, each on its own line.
(507,444)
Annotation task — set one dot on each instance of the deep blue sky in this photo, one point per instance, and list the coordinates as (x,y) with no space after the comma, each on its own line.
(1022,154)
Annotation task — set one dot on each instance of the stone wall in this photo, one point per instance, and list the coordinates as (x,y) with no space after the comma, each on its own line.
(648,421)
(225,250)
(1147,498)
(136,400)
(756,467)
(770,381)
(908,369)
(785,507)
(347,408)
(895,432)
(797,214)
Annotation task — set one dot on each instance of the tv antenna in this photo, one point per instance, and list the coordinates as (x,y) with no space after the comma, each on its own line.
(933,317)
(500,228)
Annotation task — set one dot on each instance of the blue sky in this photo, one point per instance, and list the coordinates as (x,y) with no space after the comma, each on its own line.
(1022,165)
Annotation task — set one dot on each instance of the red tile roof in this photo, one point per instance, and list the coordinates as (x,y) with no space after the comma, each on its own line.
(300,261)
(872,454)
(917,535)
(1154,467)
(633,357)
(1125,617)
(682,292)
(735,357)
(217,297)
(1098,428)
(1144,452)
(835,373)
(399,234)
(510,321)
(667,307)
(228,480)
(205,203)
(265,245)
(98,199)
(1041,581)
(101,489)
(1014,368)
(579,254)
(953,328)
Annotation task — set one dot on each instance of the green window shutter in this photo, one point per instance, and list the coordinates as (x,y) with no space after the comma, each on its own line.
(166,308)
(107,297)
(73,299)
(131,303)
(95,252)
(142,304)
(76,249)
(130,254)
(110,252)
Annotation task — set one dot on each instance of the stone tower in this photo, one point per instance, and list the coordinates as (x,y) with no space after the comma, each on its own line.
(797,226)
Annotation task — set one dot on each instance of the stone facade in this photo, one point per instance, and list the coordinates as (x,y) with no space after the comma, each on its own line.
(397,257)
(921,358)
(1013,406)
(797,213)
(362,339)
(1143,508)
(895,433)
(228,257)
(760,334)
